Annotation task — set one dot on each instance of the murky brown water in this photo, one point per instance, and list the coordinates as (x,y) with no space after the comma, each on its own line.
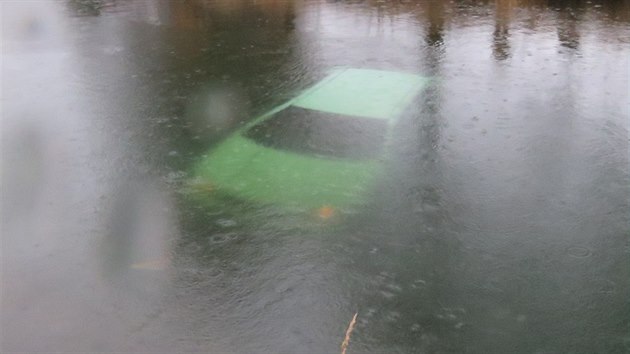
(501,225)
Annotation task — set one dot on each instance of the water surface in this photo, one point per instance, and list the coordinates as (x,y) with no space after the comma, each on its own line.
(500,226)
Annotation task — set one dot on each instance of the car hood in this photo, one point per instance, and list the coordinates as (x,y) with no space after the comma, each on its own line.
(245,169)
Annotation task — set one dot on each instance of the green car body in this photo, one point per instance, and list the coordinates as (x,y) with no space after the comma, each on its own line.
(249,165)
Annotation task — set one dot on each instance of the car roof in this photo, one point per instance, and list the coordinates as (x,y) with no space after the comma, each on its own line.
(363,92)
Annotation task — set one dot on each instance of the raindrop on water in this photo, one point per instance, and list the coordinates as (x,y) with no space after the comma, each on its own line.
(222,238)
(579,252)
(226,222)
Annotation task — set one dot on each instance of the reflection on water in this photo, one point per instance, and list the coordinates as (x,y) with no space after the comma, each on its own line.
(501,43)
(500,227)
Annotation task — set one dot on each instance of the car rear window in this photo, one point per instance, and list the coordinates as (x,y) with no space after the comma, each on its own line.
(320,133)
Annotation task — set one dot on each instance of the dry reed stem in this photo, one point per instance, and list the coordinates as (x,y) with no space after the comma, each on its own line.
(346,341)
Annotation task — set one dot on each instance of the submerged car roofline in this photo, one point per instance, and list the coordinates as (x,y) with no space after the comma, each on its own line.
(367,93)
(403,102)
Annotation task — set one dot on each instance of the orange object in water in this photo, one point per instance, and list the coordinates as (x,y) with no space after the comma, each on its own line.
(326,212)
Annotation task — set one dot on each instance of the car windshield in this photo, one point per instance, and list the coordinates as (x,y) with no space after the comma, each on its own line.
(321,133)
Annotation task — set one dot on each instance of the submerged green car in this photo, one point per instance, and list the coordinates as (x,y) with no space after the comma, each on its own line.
(320,151)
